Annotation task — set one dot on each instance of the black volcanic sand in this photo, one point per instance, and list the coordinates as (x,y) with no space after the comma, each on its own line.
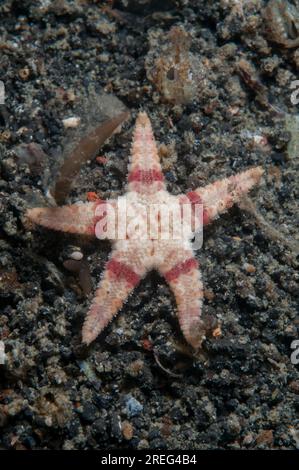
(139,385)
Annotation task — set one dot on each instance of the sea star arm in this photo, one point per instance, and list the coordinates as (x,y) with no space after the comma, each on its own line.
(145,174)
(118,281)
(181,271)
(76,218)
(218,197)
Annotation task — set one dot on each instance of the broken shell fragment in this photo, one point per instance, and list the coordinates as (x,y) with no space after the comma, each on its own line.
(71,122)
(76,255)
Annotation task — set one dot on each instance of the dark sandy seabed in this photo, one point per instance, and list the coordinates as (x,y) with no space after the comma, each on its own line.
(138,385)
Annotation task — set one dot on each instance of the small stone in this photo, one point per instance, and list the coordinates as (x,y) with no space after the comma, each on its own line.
(127,430)
(71,122)
(265,437)
(104,58)
(22,130)
(217,332)
(260,140)
(233,426)
(249,268)
(296,58)
(295,435)
(133,406)
(209,294)
(115,427)
(135,368)
(105,27)
(89,413)
(233,110)
(76,255)
(5,136)
(67,96)
(143,444)
(33,155)
(101,159)
(294,386)
(24,73)
(147,344)
(92,196)
(248,439)
(3,415)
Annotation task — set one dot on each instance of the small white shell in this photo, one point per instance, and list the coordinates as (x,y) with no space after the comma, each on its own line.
(71,122)
(76,255)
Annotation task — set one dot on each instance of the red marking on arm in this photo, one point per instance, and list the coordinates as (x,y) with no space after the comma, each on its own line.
(195,198)
(181,268)
(145,176)
(122,271)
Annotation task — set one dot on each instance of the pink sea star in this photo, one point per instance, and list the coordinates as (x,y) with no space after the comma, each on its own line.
(133,258)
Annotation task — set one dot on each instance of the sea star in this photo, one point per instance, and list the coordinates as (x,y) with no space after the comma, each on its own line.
(132,258)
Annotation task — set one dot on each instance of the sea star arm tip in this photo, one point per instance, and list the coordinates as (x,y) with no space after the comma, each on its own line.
(78,219)
(218,197)
(181,271)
